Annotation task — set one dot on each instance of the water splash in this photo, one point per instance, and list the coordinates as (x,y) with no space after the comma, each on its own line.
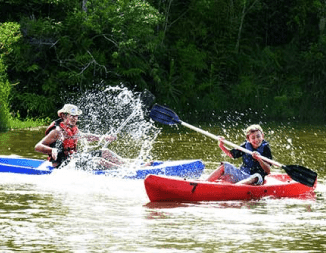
(120,112)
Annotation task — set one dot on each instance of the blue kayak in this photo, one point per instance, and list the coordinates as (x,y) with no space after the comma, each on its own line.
(181,168)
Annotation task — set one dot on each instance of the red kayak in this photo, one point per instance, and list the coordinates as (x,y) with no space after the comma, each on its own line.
(162,188)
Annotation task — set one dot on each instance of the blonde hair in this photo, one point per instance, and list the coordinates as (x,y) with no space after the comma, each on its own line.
(253,128)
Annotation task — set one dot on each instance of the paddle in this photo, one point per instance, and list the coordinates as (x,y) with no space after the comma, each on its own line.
(144,102)
(298,173)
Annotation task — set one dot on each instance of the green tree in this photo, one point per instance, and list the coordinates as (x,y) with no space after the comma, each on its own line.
(70,45)
(203,55)
(9,34)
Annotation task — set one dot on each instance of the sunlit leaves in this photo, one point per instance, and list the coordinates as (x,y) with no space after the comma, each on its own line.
(9,34)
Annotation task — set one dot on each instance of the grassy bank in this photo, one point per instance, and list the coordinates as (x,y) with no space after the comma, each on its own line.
(15,123)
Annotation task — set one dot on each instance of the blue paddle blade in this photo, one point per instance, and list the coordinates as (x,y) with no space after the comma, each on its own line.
(301,174)
(164,115)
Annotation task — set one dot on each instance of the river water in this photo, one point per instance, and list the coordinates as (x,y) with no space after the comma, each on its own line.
(73,211)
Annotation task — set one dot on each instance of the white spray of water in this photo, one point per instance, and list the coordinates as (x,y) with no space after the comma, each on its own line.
(120,112)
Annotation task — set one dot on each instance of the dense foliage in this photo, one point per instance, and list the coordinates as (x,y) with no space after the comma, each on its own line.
(9,34)
(199,56)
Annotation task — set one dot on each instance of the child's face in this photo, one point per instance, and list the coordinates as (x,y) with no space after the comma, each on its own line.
(255,139)
(70,120)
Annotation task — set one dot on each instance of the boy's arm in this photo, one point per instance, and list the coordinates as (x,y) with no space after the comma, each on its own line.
(265,165)
(224,149)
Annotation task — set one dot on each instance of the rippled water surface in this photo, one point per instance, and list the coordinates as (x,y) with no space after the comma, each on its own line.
(73,211)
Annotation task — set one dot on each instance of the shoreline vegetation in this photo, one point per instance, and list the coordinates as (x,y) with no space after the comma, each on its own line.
(232,118)
(18,124)
(201,58)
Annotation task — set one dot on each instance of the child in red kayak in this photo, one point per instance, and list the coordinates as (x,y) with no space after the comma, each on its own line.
(254,169)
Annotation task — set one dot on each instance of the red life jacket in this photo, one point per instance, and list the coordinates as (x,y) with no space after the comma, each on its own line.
(69,144)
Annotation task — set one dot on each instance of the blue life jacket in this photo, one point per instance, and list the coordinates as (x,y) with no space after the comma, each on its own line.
(250,165)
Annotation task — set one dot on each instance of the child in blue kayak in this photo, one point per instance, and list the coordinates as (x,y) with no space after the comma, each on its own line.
(253,169)
(61,137)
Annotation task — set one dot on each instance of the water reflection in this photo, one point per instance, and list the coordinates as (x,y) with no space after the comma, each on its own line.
(21,142)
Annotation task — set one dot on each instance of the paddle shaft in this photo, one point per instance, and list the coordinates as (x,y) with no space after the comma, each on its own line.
(218,138)
(122,126)
(146,99)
